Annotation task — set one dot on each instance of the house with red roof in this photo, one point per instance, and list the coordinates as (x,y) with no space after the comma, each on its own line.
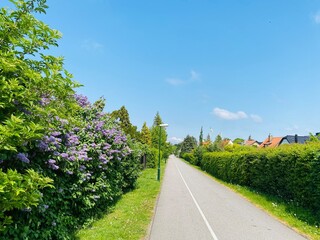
(251,142)
(271,141)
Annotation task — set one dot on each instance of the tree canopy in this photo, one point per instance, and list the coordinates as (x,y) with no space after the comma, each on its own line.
(32,85)
(122,115)
(188,145)
(155,132)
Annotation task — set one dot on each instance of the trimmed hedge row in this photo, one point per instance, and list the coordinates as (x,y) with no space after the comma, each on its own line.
(290,172)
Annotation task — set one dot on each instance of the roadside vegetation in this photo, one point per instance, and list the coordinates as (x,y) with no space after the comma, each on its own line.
(130,218)
(63,160)
(284,181)
(297,218)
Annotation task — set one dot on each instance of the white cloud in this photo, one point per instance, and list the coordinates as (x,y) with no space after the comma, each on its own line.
(256,118)
(227,115)
(175,140)
(175,81)
(316,18)
(91,45)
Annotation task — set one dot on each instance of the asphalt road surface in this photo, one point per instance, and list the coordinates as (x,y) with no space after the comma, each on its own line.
(193,206)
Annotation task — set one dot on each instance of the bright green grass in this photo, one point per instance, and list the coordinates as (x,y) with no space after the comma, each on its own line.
(131,215)
(295,217)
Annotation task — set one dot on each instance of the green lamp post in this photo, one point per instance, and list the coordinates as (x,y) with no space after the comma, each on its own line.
(163,125)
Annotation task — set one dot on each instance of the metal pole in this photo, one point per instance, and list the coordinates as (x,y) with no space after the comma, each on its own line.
(159,155)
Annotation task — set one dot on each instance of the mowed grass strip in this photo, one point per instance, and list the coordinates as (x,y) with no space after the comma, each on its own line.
(297,218)
(132,214)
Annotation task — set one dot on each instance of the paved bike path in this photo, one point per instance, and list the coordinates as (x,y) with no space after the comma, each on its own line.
(193,206)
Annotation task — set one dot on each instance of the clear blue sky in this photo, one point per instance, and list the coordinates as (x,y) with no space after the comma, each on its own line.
(242,68)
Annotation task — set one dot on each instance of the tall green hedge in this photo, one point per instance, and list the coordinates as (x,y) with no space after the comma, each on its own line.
(290,172)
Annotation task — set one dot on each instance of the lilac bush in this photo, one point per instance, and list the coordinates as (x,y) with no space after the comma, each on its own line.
(91,164)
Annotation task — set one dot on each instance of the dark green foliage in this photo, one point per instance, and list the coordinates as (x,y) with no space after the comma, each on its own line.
(290,172)
(194,157)
(47,132)
(155,133)
(198,155)
(122,116)
(216,146)
(153,157)
(201,137)
(208,139)
(188,145)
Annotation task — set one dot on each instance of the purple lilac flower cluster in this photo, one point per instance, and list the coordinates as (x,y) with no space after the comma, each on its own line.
(82,100)
(23,157)
(45,100)
(83,145)
(85,153)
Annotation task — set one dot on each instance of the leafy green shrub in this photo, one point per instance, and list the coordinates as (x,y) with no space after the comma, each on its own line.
(189,157)
(91,167)
(198,155)
(48,132)
(290,172)
(19,191)
(153,157)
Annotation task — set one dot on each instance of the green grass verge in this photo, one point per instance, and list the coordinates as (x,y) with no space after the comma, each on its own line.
(299,219)
(132,214)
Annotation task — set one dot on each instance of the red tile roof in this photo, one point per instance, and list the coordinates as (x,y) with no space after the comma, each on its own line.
(250,142)
(271,142)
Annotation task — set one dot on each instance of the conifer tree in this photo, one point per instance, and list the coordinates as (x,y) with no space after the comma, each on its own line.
(208,139)
(201,137)
(123,116)
(155,132)
(145,137)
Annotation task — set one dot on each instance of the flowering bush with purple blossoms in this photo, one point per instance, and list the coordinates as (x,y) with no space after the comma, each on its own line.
(91,164)
(48,132)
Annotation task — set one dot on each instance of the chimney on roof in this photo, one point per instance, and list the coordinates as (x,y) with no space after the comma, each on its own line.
(269,137)
(296,138)
(249,139)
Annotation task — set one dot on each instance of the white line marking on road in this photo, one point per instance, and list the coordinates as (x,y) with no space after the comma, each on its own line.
(199,209)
